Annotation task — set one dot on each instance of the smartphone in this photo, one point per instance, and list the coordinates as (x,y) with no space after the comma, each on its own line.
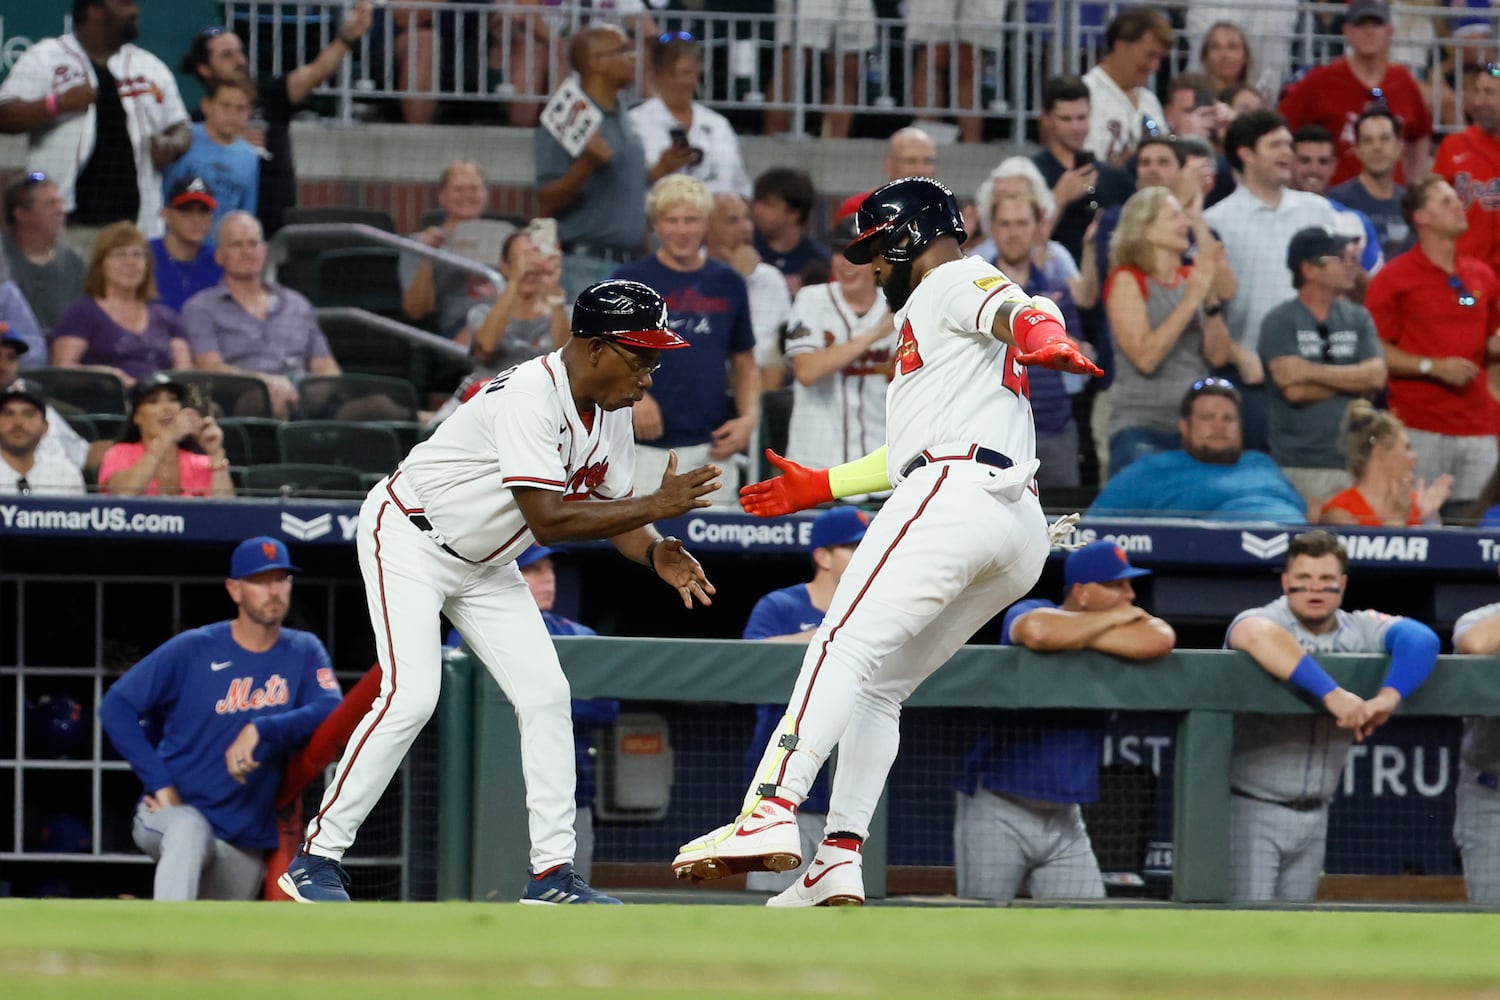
(1083,158)
(543,233)
(678,136)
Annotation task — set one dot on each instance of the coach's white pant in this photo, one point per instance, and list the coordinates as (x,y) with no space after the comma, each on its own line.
(956,543)
(409,580)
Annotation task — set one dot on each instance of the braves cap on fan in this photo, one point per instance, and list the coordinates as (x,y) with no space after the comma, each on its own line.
(626,312)
(899,219)
(1099,562)
(259,555)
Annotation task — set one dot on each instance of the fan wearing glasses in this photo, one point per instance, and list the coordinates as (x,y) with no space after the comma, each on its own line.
(1321,352)
(1437,311)
(23,424)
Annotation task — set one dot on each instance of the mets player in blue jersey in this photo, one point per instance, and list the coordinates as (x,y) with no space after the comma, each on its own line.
(793,614)
(1017,818)
(1285,769)
(231,697)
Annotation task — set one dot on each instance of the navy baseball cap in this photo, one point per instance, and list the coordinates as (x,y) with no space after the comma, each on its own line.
(532,554)
(26,392)
(12,340)
(189,191)
(259,555)
(1099,562)
(1313,243)
(838,526)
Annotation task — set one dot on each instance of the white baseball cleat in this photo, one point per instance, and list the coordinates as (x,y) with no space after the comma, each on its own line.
(836,877)
(764,839)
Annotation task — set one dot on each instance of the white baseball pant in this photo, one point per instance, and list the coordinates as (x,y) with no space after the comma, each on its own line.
(409,580)
(955,544)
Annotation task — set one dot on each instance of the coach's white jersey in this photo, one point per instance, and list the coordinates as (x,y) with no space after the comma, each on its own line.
(954,384)
(841,416)
(522,429)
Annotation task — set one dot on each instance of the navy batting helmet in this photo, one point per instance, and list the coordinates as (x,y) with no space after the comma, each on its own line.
(626,312)
(899,219)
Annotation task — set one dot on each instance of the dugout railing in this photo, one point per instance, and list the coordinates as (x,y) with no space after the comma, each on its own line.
(483,842)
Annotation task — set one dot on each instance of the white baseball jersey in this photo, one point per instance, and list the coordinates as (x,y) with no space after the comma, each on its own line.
(522,429)
(954,383)
(1481,742)
(842,416)
(1285,757)
(148,91)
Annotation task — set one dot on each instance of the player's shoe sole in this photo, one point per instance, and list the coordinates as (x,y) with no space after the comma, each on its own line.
(835,878)
(764,840)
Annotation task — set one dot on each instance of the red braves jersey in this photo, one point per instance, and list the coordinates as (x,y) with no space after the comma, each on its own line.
(1471,161)
(954,383)
(521,429)
(1330,95)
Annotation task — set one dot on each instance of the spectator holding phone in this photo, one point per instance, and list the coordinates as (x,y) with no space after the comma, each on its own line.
(673,119)
(437,290)
(1080,186)
(167,448)
(530,317)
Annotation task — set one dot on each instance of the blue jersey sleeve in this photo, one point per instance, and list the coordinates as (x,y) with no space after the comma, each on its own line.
(1016,611)
(150,687)
(318,695)
(782,612)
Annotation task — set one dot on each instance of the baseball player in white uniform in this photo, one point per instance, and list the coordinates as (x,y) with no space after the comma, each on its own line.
(1285,768)
(51,94)
(1476,819)
(961,537)
(544,453)
(840,349)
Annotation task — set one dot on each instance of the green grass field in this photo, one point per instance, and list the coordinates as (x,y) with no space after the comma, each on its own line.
(416,951)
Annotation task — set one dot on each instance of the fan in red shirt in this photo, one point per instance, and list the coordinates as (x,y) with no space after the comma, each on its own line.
(1438,312)
(1471,161)
(1334,94)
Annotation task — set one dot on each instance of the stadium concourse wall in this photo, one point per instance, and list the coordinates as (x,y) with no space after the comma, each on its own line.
(1207,687)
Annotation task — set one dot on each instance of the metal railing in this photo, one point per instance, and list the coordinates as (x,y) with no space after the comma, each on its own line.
(516,54)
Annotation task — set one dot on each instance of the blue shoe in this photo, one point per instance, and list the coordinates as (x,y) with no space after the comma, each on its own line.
(311,879)
(561,885)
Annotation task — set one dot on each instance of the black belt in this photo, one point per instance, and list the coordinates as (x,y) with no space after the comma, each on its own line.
(420,522)
(1296,805)
(984,456)
(602,251)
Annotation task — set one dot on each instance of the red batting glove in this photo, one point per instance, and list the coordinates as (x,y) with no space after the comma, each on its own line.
(797,488)
(1063,356)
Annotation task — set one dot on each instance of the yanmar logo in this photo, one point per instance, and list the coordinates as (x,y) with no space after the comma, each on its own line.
(1385,548)
(1264,548)
(306,531)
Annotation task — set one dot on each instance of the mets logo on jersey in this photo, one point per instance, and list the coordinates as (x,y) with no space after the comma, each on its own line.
(244,696)
(586,480)
(908,358)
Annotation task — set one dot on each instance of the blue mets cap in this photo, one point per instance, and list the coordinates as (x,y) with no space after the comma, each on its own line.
(259,555)
(1099,562)
(838,526)
(532,554)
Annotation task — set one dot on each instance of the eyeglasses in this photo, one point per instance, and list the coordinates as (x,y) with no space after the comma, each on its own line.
(637,367)
(23,487)
(1327,339)
(1212,382)
(667,37)
(1466,298)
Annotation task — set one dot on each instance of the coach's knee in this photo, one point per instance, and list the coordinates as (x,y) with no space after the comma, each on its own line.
(187,837)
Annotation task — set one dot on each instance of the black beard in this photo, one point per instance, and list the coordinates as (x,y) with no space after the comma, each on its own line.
(130,31)
(897,285)
(1218,456)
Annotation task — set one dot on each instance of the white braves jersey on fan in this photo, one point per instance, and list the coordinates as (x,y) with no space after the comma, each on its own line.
(841,416)
(1286,757)
(522,429)
(954,384)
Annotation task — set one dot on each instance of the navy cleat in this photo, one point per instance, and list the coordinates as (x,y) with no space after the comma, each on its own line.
(561,884)
(311,879)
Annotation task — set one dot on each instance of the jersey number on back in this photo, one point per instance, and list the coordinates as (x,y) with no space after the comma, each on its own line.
(1013,374)
(908,359)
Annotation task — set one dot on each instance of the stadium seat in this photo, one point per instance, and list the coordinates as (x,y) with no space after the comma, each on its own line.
(86,391)
(434,217)
(108,425)
(317,215)
(84,425)
(302,479)
(362,350)
(357,397)
(234,394)
(236,443)
(363,447)
(361,278)
(261,442)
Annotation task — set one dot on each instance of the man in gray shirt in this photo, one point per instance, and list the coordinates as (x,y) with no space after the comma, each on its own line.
(1374,191)
(47,270)
(1320,351)
(1285,768)
(599,197)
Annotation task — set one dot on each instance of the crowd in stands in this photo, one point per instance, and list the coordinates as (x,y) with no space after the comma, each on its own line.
(1275,227)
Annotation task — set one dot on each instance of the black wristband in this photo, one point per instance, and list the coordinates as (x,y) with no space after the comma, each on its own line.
(1214,309)
(651,553)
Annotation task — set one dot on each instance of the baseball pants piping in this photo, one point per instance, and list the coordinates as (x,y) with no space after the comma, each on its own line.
(409,580)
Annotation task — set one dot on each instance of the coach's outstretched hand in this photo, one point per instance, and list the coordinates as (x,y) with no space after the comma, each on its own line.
(1064,357)
(689,491)
(797,488)
(676,565)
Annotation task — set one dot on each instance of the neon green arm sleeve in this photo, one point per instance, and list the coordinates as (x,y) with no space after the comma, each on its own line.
(863,475)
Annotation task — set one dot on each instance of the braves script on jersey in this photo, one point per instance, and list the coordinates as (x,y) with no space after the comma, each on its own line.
(1285,757)
(954,383)
(522,429)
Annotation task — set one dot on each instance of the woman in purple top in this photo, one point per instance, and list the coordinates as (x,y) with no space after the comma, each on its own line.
(115,326)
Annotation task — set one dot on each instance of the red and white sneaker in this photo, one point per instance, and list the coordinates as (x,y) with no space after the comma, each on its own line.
(836,877)
(764,839)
